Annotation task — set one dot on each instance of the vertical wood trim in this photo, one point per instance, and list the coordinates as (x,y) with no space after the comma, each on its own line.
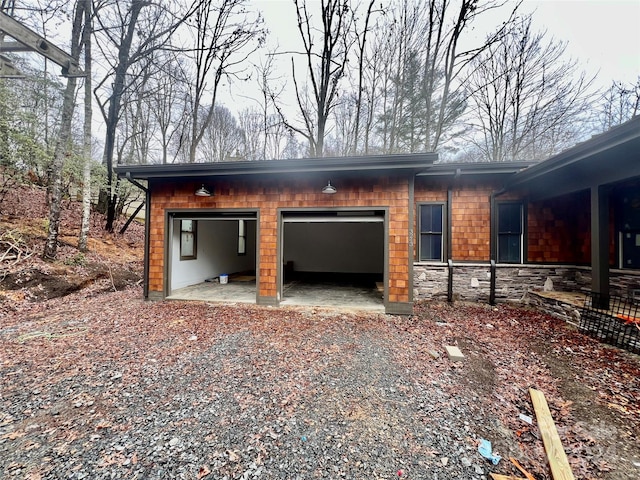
(411,234)
(493,229)
(448,226)
(147,231)
(600,242)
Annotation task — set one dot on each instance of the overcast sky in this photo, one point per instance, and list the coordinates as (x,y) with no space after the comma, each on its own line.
(603,35)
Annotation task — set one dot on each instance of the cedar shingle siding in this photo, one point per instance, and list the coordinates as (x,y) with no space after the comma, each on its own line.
(270,195)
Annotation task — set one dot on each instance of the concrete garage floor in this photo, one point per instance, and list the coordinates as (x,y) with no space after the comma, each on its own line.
(321,291)
(232,292)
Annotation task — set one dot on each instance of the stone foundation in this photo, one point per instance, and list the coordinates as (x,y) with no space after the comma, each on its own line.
(564,308)
(471,281)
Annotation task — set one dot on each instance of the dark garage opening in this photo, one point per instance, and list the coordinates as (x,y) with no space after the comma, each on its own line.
(333,258)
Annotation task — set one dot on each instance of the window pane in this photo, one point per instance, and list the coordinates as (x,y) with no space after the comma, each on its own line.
(431,218)
(188,239)
(431,226)
(430,247)
(509,248)
(509,218)
(187,245)
(186,225)
(425,218)
(436,218)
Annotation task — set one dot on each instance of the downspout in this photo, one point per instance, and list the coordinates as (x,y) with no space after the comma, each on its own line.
(147,220)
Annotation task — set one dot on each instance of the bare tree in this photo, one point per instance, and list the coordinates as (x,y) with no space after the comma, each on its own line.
(167,92)
(325,67)
(361,37)
(277,137)
(619,103)
(342,139)
(125,29)
(222,138)
(422,70)
(252,130)
(527,97)
(225,35)
(272,125)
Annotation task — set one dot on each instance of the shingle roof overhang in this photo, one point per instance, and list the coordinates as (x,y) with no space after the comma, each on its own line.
(377,165)
(605,159)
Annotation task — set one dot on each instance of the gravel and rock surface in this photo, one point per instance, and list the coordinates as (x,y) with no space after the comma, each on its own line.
(106,386)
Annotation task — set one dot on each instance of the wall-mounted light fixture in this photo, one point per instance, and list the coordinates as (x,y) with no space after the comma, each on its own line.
(203,192)
(329,189)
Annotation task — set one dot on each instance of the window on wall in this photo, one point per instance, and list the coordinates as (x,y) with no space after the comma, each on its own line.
(431,231)
(188,239)
(510,232)
(242,237)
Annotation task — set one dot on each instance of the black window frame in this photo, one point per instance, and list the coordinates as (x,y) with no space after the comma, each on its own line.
(188,233)
(441,234)
(506,232)
(242,237)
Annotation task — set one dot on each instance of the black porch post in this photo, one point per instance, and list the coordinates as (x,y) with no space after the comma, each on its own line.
(600,245)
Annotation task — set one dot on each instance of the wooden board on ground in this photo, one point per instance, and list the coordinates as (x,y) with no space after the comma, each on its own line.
(560,468)
(243,278)
(497,476)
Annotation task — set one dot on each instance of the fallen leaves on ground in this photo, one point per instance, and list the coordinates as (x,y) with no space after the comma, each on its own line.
(102,385)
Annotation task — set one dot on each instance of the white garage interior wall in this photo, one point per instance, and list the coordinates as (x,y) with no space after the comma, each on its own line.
(217,252)
(334,247)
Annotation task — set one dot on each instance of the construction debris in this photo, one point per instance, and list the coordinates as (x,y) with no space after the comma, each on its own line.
(455,355)
(560,468)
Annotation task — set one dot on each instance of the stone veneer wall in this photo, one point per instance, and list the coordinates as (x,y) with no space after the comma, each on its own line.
(557,308)
(471,282)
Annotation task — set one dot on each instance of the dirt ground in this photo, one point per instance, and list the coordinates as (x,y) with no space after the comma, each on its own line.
(104,385)
(97,384)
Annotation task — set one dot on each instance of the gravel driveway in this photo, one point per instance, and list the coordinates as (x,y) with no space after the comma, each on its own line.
(112,387)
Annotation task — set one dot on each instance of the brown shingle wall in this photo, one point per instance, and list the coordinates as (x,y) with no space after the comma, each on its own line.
(268,196)
(559,230)
(471,225)
(470,216)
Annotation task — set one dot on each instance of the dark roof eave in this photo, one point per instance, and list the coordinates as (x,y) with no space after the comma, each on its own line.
(470,169)
(381,163)
(621,134)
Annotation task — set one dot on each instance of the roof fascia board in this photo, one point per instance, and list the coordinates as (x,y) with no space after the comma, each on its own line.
(387,163)
(486,168)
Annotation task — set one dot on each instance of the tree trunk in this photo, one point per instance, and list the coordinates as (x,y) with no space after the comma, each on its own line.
(63,146)
(86,148)
(362,47)
(113,114)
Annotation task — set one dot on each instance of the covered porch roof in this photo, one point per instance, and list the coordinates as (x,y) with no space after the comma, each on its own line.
(605,159)
(595,165)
